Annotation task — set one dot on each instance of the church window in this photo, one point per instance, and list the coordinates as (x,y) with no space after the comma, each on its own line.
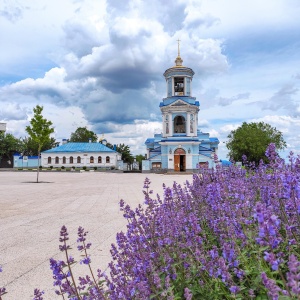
(99,159)
(91,159)
(71,159)
(49,160)
(78,159)
(178,86)
(107,159)
(64,160)
(156,165)
(56,160)
(179,124)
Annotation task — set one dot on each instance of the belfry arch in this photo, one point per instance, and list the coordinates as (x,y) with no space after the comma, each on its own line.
(179,124)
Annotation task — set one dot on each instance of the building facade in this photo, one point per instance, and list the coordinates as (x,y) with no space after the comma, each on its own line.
(181,147)
(81,155)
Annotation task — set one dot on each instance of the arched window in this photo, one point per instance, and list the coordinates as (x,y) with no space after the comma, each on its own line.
(179,124)
(71,159)
(64,160)
(57,160)
(91,159)
(99,159)
(107,159)
(49,160)
(78,159)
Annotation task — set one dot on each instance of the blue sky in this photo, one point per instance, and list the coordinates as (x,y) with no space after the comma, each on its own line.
(100,63)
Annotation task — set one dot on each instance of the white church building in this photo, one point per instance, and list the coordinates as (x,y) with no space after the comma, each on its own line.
(181,147)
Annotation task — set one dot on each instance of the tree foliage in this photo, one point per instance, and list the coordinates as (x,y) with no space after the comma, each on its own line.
(82,134)
(30,147)
(124,150)
(126,154)
(252,139)
(8,145)
(139,159)
(39,131)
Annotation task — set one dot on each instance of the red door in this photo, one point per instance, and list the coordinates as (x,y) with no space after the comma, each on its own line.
(176,163)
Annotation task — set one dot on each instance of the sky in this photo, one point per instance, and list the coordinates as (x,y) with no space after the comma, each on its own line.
(100,63)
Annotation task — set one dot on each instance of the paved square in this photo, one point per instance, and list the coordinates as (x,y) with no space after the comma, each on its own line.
(31,216)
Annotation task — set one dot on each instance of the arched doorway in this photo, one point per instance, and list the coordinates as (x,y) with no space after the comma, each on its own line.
(179,160)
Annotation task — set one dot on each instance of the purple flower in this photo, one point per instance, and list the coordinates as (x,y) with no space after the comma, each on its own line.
(85,261)
(293,275)
(38,294)
(188,294)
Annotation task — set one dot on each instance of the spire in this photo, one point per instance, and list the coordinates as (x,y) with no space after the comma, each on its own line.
(178,60)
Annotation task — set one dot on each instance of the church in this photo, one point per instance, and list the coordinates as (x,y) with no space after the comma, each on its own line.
(181,147)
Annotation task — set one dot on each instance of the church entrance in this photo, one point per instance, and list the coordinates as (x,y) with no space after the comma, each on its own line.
(179,160)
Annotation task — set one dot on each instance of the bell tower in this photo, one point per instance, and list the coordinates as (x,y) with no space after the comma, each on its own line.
(179,109)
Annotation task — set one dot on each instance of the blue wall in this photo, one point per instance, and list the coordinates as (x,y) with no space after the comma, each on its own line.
(32,162)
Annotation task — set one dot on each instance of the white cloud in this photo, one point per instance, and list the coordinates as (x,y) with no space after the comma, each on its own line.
(103,61)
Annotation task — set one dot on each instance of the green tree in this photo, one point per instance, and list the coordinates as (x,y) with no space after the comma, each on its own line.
(30,147)
(252,140)
(82,134)
(8,145)
(139,158)
(124,150)
(39,131)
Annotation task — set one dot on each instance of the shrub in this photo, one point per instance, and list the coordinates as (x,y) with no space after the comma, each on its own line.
(62,167)
(51,167)
(84,167)
(73,167)
(232,233)
(40,167)
(95,168)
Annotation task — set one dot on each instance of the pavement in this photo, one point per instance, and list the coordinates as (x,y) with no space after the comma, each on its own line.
(31,216)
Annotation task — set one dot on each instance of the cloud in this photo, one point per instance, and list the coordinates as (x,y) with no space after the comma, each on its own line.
(284,99)
(13,111)
(12,10)
(227,101)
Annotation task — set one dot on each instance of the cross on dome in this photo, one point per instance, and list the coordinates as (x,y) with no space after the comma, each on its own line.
(178,60)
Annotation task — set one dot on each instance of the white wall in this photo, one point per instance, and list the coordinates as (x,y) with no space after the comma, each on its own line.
(85,159)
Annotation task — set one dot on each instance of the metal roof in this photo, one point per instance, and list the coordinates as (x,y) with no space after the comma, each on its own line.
(80,147)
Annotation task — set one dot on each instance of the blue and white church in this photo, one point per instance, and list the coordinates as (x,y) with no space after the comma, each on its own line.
(181,147)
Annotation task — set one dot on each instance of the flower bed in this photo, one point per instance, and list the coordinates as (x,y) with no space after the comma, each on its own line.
(232,233)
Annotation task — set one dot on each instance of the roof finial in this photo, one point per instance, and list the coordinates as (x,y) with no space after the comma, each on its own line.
(178,60)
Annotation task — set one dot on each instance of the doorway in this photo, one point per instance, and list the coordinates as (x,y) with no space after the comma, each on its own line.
(179,160)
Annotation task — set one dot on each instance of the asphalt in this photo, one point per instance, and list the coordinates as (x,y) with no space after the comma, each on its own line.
(31,215)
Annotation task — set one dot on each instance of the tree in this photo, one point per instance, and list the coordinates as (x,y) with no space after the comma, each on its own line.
(39,132)
(82,134)
(8,145)
(252,140)
(124,150)
(139,158)
(30,147)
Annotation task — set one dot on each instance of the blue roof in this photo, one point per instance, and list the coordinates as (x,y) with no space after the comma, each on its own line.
(214,140)
(225,162)
(80,147)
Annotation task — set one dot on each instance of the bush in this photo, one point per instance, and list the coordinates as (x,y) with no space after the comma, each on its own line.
(62,167)
(51,167)
(95,168)
(233,233)
(73,167)
(40,167)
(84,167)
